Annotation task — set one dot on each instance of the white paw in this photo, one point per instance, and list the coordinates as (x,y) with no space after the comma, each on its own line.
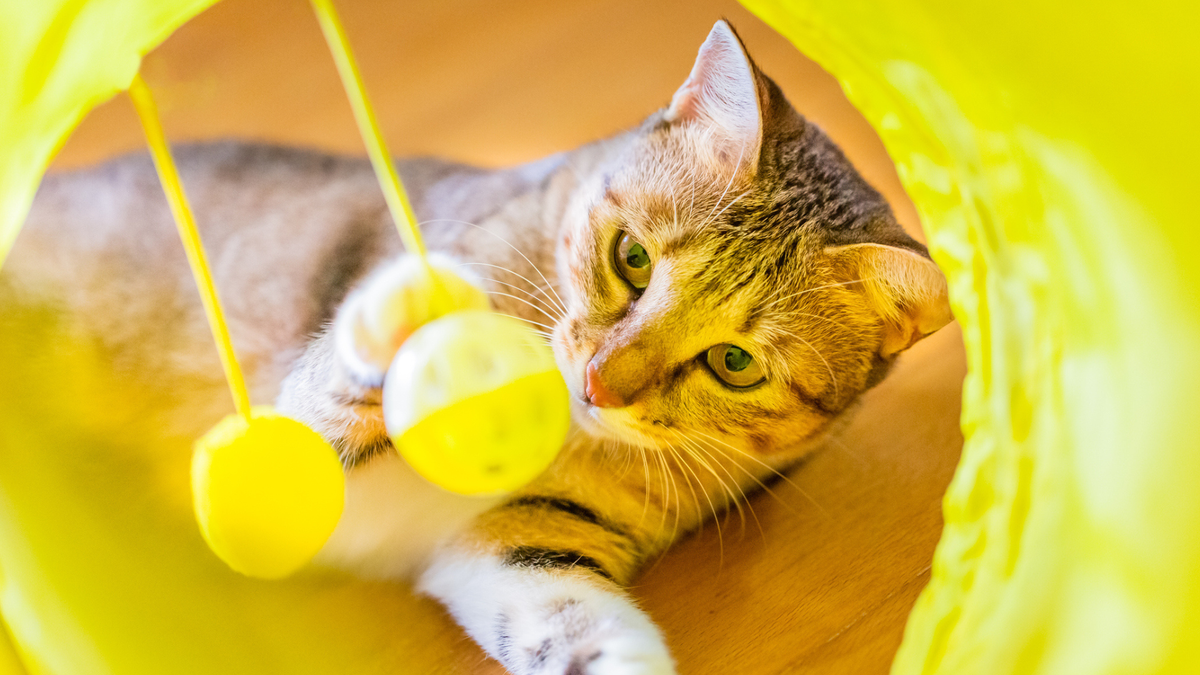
(628,654)
(578,636)
(543,622)
(392,303)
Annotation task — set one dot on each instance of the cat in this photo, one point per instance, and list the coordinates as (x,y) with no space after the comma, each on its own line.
(719,287)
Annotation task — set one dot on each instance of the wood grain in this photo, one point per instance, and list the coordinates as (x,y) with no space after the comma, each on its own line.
(823,573)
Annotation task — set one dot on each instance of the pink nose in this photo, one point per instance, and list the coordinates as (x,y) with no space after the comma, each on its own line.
(597,393)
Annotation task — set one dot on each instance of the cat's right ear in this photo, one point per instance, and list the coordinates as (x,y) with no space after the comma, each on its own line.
(723,94)
(902,287)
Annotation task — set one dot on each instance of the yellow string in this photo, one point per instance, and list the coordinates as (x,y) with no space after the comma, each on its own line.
(364,115)
(173,188)
(389,180)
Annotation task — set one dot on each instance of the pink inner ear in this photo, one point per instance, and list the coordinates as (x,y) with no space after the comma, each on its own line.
(721,92)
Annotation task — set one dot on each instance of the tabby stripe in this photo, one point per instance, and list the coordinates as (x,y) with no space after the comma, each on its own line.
(571,508)
(546,558)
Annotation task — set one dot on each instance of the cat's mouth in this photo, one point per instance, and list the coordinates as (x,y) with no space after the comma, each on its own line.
(619,424)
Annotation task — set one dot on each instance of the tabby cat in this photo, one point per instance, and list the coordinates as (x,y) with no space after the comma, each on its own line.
(719,287)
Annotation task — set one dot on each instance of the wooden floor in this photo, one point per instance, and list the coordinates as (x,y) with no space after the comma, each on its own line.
(823,573)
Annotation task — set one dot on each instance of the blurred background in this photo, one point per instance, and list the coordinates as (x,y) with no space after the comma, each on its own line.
(823,573)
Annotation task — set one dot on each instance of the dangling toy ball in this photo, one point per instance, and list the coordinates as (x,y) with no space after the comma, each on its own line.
(267,493)
(475,403)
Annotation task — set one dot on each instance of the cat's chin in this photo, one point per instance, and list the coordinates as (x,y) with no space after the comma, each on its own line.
(619,425)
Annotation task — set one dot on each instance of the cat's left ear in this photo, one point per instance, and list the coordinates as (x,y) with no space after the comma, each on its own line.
(903,287)
(723,94)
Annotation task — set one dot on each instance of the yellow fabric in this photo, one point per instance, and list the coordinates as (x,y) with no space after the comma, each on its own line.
(58,60)
(1049,149)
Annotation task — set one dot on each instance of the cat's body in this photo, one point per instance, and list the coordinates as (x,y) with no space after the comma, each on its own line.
(720,284)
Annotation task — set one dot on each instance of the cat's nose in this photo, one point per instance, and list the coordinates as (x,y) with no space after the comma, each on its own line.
(600,395)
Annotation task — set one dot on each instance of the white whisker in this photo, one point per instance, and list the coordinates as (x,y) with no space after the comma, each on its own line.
(832,376)
(561,308)
(766,466)
(549,328)
(732,177)
(509,244)
(526,302)
(708,464)
(556,315)
(818,288)
(683,463)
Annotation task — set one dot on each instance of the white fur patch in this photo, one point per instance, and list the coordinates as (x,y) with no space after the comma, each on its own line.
(541,622)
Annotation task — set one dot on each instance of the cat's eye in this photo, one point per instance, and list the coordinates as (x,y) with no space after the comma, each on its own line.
(632,261)
(735,366)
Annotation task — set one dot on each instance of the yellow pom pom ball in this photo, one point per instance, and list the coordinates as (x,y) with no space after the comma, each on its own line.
(267,494)
(475,403)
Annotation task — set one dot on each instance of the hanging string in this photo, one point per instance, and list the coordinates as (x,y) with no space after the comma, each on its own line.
(385,171)
(169,177)
(364,115)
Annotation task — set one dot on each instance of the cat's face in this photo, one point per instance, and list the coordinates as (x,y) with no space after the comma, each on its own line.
(729,278)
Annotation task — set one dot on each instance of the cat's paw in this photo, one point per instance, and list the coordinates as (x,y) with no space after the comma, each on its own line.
(546,622)
(628,654)
(392,303)
(598,635)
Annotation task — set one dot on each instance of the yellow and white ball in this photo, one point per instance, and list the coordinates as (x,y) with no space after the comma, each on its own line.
(474,403)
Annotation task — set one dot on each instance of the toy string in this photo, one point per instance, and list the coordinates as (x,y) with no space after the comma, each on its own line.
(389,180)
(368,126)
(186,223)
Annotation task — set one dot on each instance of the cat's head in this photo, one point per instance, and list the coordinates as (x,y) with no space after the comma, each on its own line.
(729,275)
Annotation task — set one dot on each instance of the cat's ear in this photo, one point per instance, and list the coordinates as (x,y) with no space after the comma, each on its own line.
(723,94)
(903,287)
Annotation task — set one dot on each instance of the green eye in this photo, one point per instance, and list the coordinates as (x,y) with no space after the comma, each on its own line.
(632,261)
(737,359)
(735,366)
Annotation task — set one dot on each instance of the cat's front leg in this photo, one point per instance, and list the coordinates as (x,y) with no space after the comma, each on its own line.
(386,529)
(335,386)
(542,612)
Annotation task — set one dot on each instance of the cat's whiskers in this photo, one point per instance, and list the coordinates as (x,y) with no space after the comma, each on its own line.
(686,467)
(817,288)
(782,476)
(674,210)
(645,486)
(730,497)
(549,329)
(506,243)
(708,463)
(732,177)
(522,277)
(668,481)
(839,324)
(713,450)
(672,457)
(626,451)
(532,306)
(554,312)
(718,215)
(832,375)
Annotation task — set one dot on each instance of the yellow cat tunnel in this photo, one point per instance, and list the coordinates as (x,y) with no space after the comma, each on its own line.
(1049,149)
